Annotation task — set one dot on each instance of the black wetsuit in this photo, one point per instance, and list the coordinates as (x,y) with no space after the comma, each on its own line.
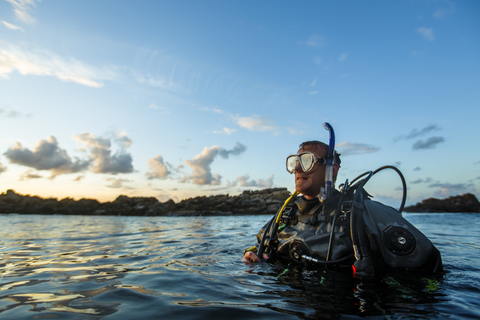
(305,229)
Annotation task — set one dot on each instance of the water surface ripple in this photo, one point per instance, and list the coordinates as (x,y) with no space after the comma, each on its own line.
(93,267)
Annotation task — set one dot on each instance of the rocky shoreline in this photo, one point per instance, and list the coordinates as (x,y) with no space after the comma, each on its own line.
(463,203)
(266,201)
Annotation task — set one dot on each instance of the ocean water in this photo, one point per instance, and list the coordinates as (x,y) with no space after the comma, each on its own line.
(91,267)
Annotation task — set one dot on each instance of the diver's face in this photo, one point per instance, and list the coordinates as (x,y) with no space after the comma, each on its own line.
(309,183)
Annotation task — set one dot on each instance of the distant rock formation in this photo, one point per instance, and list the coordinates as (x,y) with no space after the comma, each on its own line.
(464,203)
(266,201)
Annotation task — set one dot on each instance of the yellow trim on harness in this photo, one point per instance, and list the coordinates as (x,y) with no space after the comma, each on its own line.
(253,249)
(294,194)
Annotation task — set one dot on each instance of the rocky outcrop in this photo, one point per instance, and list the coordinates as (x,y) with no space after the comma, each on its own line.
(463,203)
(266,201)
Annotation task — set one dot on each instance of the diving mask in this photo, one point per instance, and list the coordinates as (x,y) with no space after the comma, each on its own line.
(306,159)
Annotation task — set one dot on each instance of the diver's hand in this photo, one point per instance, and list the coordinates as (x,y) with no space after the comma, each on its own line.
(251,257)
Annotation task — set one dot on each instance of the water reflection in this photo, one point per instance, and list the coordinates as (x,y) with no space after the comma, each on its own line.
(151,267)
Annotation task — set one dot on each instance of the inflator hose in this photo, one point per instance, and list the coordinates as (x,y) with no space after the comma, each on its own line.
(273,231)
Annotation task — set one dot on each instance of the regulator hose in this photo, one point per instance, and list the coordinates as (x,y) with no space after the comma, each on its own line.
(272,226)
(361,246)
(332,231)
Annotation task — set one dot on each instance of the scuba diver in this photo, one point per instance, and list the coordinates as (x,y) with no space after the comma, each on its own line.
(345,228)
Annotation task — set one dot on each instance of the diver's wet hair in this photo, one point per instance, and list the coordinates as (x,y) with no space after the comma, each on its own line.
(315,143)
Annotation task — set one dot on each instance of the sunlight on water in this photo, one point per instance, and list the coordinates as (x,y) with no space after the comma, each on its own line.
(190,267)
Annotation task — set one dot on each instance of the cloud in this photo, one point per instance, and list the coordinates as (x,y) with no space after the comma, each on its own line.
(252,123)
(158,168)
(314,82)
(316,40)
(444,12)
(122,140)
(12,113)
(226,131)
(430,143)
(116,182)
(245,181)
(101,155)
(343,57)
(21,8)
(448,189)
(159,82)
(313,92)
(163,110)
(427,34)
(317,60)
(28,175)
(2,168)
(47,155)
(418,133)
(215,110)
(255,123)
(426,180)
(347,148)
(200,165)
(12,27)
(44,63)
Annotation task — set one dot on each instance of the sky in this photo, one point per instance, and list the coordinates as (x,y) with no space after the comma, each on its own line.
(179,99)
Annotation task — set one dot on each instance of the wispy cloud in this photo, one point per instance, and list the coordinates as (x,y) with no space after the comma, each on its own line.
(160,82)
(316,40)
(200,165)
(45,63)
(347,148)
(78,178)
(22,8)
(447,9)
(12,27)
(245,181)
(426,33)
(418,133)
(252,123)
(448,189)
(317,60)
(163,110)
(426,180)
(2,168)
(29,175)
(430,143)
(256,123)
(116,182)
(343,57)
(12,114)
(225,130)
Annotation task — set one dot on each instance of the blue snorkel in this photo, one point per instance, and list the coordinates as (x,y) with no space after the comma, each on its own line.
(330,159)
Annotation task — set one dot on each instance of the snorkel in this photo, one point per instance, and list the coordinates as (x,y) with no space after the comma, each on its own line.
(330,159)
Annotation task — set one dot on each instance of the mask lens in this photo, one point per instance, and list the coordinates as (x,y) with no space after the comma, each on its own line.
(291,163)
(307,161)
